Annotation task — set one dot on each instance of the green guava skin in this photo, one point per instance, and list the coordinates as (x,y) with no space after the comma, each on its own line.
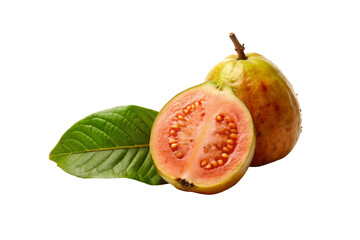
(271,100)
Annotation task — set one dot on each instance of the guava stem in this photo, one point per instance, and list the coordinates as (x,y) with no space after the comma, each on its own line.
(238,47)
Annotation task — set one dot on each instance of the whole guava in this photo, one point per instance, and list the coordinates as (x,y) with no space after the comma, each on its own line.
(270,98)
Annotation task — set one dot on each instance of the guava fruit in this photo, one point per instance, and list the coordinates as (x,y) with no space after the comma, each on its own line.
(203,139)
(270,98)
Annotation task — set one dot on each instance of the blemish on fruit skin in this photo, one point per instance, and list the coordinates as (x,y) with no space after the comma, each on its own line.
(184,183)
(277,107)
(263,87)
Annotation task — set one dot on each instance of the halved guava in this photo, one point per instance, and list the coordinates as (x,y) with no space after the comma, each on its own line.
(203,139)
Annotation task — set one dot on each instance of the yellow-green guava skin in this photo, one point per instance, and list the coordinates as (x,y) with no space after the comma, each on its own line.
(271,100)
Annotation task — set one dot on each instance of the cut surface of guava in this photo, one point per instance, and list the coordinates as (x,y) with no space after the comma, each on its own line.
(203,139)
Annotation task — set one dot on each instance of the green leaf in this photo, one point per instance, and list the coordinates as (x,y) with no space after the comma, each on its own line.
(110,144)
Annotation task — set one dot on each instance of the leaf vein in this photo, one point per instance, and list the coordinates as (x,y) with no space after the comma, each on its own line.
(145,160)
(100,162)
(115,113)
(101,149)
(79,166)
(72,139)
(152,119)
(107,121)
(113,164)
(133,162)
(86,135)
(106,134)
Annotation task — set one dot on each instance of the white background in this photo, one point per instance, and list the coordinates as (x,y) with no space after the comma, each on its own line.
(63,60)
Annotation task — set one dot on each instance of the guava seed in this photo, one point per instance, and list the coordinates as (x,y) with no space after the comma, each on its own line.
(208,166)
(233,136)
(204,162)
(228,119)
(229,141)
(172,140)
(181,123)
